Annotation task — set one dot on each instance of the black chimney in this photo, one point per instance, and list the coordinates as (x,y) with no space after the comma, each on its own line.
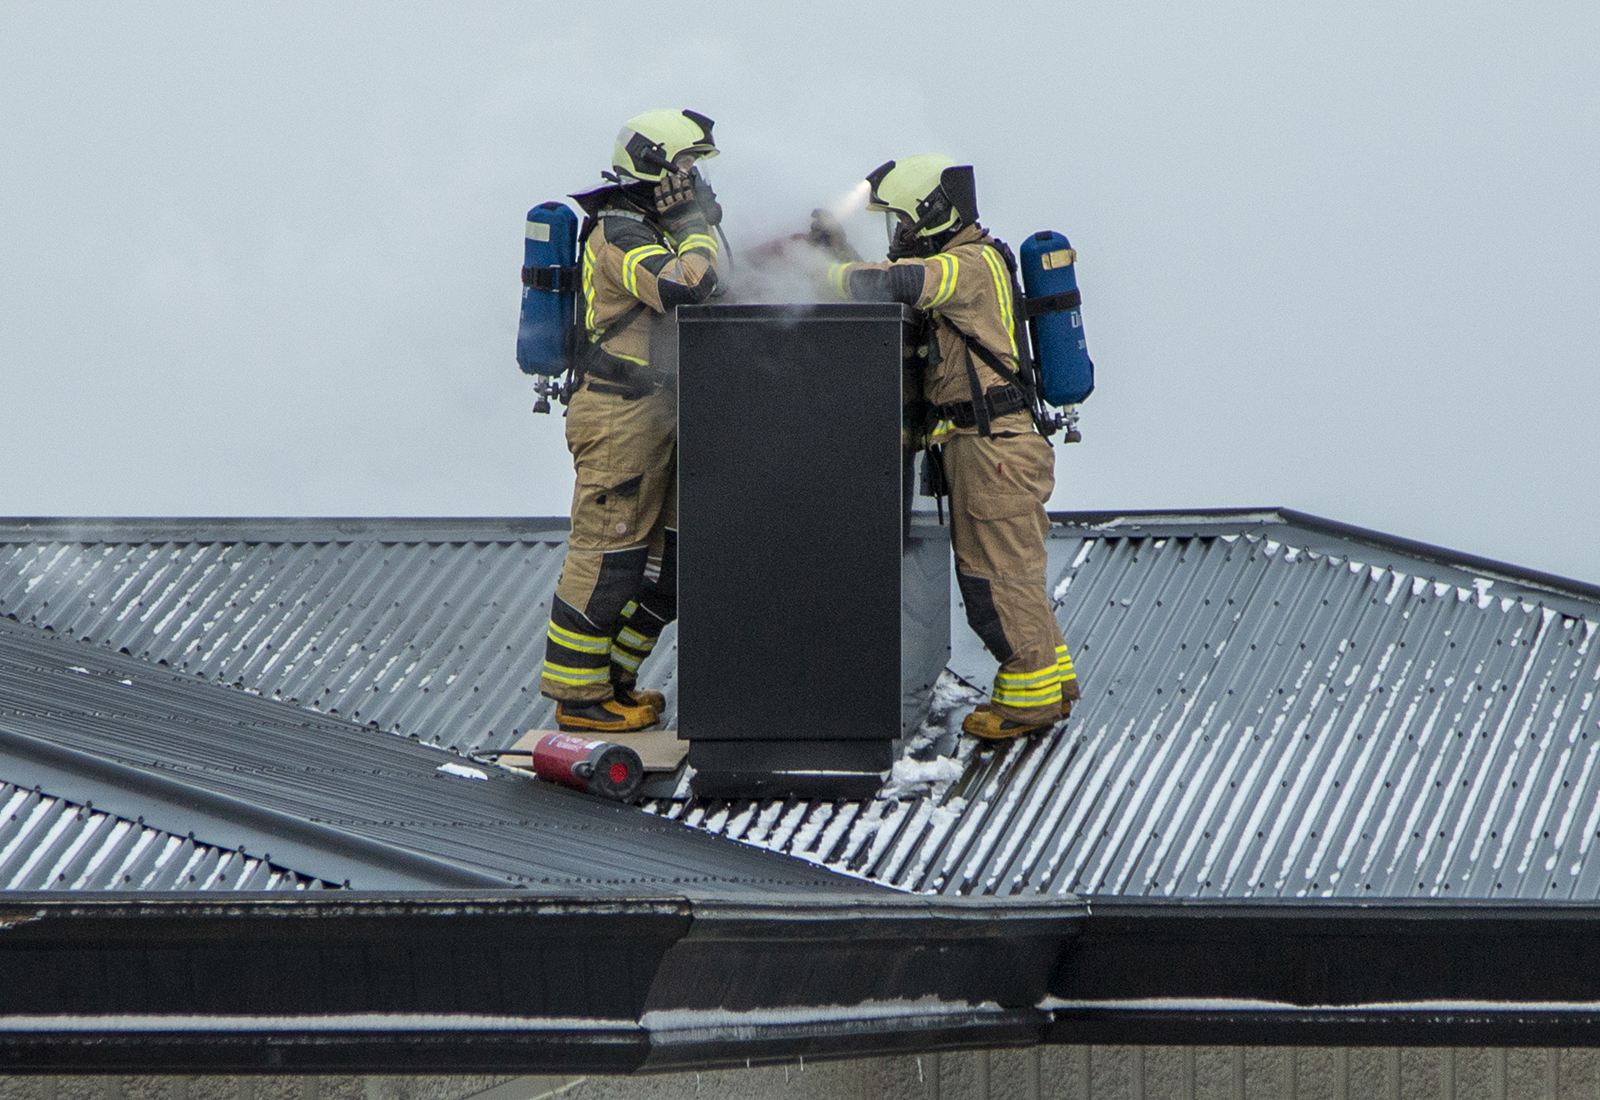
(814,578)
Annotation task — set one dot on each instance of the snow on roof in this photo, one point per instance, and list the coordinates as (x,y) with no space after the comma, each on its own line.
(1274,704)
(50,843)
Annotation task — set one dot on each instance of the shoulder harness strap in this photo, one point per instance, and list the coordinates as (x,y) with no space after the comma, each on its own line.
(1023,377)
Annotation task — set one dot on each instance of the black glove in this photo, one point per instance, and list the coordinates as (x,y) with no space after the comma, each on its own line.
(677,200)
(827,233)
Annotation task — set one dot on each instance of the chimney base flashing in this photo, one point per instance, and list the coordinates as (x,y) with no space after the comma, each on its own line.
(791,769)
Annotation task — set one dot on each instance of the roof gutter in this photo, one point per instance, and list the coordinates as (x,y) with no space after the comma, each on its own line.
(1331,972)
(506,983)
(503,982)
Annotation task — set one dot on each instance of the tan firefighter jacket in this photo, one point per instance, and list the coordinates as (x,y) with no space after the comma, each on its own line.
(966,284)
(628,260)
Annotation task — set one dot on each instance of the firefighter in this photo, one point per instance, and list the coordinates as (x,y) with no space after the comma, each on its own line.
(999,470)
(647,249)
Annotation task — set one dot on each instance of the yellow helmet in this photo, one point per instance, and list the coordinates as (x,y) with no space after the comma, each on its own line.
(650,143)
(932,194)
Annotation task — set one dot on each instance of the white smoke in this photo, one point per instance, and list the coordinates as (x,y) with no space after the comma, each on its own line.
(853,201)
(791,268)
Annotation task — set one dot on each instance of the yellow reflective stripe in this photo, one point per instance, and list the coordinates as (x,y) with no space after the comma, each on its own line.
(1054,680)
(583,643)
(588,286)
(626,660)
(837,276)
(563,674)
(1045,688)
(697,240)
(629,358)
(1002,290)
(631,637)
(1064,663)
(630,265)
(1028,689)
(1026,677)
(948,267)
(1041,698)
(1033,698)
(629,608)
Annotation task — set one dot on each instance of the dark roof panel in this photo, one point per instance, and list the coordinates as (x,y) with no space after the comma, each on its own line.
(331,799)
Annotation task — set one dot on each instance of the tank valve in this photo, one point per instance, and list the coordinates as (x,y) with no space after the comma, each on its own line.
(546,388)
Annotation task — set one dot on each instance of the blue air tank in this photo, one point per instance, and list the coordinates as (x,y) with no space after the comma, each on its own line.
(1051,284)
(549,284)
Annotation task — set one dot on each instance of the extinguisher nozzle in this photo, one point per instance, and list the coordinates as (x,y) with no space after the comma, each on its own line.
(618,773)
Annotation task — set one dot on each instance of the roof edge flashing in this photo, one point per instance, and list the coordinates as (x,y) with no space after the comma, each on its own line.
(1201,521)
(281,529)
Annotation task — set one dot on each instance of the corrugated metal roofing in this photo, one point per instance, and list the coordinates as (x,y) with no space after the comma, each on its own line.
(1275,705)
(332,799)
(427,628)
(1264,718)
(51,844)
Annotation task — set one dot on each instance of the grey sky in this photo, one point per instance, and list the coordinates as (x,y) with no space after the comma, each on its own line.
(261,259)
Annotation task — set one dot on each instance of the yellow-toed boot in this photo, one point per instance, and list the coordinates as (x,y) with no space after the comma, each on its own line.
(985,723)
(610,716)
(633,697)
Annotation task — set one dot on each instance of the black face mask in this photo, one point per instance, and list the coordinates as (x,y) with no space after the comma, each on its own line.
(906,245)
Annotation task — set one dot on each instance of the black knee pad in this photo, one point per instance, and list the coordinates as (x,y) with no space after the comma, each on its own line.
(982,615)
(621,578)
(660,598)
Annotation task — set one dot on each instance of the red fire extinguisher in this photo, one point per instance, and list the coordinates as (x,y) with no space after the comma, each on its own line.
(597,767)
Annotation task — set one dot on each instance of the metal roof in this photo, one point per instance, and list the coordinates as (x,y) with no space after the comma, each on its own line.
(431,628)
(49,843)
(340,802)
(1363,768)
(1275,704)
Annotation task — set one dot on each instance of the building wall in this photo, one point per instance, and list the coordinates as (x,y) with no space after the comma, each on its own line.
(1045,1073)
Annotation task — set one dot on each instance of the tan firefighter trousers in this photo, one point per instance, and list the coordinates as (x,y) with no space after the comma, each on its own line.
(608,612)
(998,489)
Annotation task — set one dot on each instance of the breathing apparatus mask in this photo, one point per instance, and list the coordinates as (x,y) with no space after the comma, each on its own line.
(710,208)
(905,244)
